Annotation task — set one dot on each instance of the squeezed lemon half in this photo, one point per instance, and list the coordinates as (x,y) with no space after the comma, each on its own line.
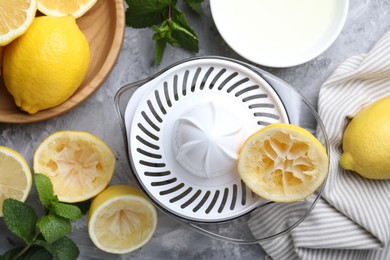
(121,219)
(79,164)
(283,162)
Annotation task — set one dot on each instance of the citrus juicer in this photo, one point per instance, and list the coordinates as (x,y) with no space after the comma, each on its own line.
(183,129)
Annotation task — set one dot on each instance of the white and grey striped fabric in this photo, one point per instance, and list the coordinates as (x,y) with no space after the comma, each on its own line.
(352,219)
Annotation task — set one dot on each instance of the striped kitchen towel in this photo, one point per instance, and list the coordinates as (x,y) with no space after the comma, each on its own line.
(352,219)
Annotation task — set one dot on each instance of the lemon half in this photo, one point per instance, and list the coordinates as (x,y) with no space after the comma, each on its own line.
(15,176)
(79,164)
(121,219)
(64,7)
(283,162)
(16,17)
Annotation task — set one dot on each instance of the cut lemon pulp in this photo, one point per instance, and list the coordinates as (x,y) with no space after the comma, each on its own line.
(15,176)
(283,163)
(121,219)
(16,17)
(79,164)
(65,7)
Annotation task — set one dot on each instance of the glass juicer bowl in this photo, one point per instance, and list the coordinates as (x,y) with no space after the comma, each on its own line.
(219,207)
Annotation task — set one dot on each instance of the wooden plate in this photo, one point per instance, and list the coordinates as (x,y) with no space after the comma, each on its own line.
(104,27)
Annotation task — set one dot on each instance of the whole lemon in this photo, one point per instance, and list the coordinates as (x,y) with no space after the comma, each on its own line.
(366,141)
(46,65)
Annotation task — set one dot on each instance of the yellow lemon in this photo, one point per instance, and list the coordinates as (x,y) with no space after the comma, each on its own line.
(79,164)
(121,219)
(15,176)
(366,141)
(16,17)
(46,65)
(64,7)
(283,162)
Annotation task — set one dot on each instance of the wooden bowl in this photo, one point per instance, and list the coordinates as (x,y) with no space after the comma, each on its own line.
(104,26)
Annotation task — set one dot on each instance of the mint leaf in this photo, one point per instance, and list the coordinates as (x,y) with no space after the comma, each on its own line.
(195,5)
(143,7)
(179,18)
(54,227)
(62,249)
(66,210)
(33,253)
(169,24)
(65,249)
(20,219)
(174,33)
(10,254)
(184,37)
(146,13)
(164,32)
(159,50)
(143,21)
(44,188)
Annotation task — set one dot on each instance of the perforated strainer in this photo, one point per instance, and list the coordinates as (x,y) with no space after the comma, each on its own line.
(184,127)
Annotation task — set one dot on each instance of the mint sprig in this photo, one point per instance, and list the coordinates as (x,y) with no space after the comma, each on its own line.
(168,23)
(44,236)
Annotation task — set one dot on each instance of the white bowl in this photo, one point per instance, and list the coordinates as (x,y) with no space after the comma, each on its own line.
(279,33)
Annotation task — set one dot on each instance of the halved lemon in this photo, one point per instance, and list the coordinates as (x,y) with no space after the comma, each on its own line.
(121,219)
(16,17)
(79,164)
(15,176)
(65,7)
(283,163)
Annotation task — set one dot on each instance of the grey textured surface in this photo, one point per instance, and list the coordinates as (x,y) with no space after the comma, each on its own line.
(366,22)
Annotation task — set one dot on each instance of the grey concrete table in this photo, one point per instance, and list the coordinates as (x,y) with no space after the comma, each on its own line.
(367,21)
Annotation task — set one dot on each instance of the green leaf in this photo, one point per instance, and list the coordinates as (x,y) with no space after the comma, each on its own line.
(159,50)
(179,18)
(195,5)
(54,227)
(67,211)
(169,24)
(65,249)
(184,37)
(20,219)
(164,32)
(10,254)
(44,188)
(33,253)
(143,21)
(143,7)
